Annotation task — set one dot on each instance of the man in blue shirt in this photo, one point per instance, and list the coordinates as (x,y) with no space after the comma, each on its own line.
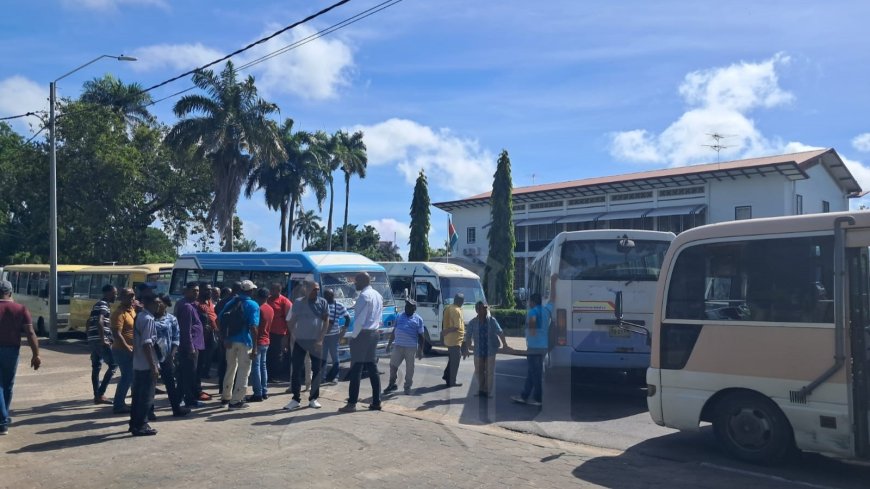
(239,345)
(537,342)
(409,340)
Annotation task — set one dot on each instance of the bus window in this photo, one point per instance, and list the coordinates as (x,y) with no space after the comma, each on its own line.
(97,283)
(32,283)
(401,286)
(425,293)
(179,278)
(82,286)
(118,280)
(469,287)
(266,279)
(225,278)
(64,286)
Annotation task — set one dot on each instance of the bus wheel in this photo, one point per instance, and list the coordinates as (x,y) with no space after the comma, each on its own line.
(427,344)
(40,328)
(752,428)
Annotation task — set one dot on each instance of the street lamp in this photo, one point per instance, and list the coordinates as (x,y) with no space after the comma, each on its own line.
(52,198)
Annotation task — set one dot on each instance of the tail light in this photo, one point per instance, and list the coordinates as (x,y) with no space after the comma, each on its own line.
(561,327)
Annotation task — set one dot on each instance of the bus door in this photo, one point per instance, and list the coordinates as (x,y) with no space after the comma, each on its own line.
(859,341)
(429,303)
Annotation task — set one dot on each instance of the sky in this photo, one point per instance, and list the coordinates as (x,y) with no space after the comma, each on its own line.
(570,89)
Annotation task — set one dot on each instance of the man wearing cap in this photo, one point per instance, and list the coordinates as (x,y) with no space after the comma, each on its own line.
(453,332)
(409,340)
(239,345)
(14,321)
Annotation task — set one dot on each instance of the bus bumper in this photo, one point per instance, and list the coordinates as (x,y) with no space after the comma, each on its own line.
(566,356)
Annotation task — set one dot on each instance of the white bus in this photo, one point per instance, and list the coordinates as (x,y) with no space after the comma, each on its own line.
(30,287)
(433,285)
(761,327)
(589,267)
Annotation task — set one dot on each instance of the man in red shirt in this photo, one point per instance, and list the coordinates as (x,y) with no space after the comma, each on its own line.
(14,321)
(278,361)
(259,376)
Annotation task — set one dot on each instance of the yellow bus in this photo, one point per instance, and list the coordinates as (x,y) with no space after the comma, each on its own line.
(30,287)
(89,281)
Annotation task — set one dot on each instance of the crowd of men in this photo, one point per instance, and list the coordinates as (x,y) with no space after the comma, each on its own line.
(256,335)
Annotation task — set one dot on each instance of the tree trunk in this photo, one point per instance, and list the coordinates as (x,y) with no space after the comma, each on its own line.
(290,225)
(228,235)
(283,226)
(329,221)
(346,203)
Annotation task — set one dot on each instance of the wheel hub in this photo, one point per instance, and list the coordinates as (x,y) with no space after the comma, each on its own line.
(749,428)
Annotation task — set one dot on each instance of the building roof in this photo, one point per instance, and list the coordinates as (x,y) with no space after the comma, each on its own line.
(793,166)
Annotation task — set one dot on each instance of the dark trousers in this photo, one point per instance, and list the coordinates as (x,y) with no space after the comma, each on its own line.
(454,354)
(534,377)
(8,367)
(143,398)
(101,353)
(299,352)
(363,356)
(330,349)
(206,357)
(167,373)
(275,357)
(188,380)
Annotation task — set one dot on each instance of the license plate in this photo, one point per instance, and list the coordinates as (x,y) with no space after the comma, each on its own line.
(617,332)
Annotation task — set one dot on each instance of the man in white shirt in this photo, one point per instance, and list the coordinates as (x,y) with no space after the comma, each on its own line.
(368,311)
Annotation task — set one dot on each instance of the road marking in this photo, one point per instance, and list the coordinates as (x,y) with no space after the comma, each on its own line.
(511,375)
(764,476)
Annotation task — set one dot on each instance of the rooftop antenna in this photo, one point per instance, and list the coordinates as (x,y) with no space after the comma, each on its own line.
(533,175)
(717,145)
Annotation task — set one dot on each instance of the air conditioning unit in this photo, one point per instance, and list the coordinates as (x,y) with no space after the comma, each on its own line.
(467,251)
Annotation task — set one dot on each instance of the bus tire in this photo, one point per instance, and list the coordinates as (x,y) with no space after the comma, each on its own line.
(427,344)
(40,327)
(752,428)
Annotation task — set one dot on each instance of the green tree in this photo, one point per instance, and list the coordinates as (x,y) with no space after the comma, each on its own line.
(419,238)
(126,100)
(307,226)
(350,152)
(229,127)
(157,247)
(499,273)
(365,241)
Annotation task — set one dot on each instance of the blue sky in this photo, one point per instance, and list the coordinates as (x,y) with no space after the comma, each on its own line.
(571,89)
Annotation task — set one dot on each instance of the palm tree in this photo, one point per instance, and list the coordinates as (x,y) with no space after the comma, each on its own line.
(307,225)
(229,126)
(350,153)
(127,100)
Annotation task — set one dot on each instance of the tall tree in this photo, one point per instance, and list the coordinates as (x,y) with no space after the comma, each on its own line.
(419,239)
(229,126)
(307,226)
(126,100)
(350,151)
(331,164)
(499,273)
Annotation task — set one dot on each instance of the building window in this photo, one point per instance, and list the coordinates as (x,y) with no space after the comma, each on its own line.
(742,212)
(520,238)
(540,235)
(519,207)
(545,205)
(826,206)
(587,200)
(631,196)
(673,192)
(471,235)
(799,204)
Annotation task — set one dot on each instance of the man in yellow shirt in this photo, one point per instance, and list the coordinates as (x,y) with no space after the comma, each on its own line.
(453,332)
(122,320)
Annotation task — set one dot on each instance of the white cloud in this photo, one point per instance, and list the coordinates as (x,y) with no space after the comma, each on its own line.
(452,163)
(861,142)
(317,70)
(113,4)
(392,230)
(19,95)
(718,100)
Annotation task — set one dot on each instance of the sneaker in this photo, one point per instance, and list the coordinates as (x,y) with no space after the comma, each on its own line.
(149,431)
(239,405)
(254,399)
(375,407)
(350,408)
(265,396)
(519,400)
(224,402)
(314,404)
(181,412)
(329,382)
(407,391)
(535,403)
(391,388)
(4,430)
(293,404)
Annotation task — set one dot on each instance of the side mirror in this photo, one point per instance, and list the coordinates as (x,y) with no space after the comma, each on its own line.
(618,306)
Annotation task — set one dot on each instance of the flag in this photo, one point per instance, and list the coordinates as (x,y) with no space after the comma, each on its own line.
(451,235)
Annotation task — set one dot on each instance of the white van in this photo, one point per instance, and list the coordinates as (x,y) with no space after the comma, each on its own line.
(433,285)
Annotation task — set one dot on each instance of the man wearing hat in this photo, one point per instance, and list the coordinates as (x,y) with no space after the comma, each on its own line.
(14,321)
(453,332)
(239,343)
(409,340)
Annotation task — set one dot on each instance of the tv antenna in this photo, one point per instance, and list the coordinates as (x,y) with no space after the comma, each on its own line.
(533,175)
(717,144)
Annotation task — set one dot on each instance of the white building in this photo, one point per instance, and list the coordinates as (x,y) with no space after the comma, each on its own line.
(673,199)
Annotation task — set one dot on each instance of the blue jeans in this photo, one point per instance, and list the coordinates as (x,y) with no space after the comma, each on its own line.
(8,366)
(124,359)
(534,377)
(259,375)
(330,349)
(100,354)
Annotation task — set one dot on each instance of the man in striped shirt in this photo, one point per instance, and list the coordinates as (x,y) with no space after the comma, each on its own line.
(408,335)
(337,311)
(99,331)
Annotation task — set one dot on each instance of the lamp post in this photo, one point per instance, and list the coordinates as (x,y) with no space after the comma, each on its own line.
(52,198)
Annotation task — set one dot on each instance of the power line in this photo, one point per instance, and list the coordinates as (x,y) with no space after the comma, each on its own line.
(19,116)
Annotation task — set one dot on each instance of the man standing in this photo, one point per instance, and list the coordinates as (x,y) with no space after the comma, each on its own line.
(208,318)
(337,311)
(259,375)
(278,363)
(409,340)
(191,342)
(145,371)
(453,332)
(123,320)
(483,333)
(227,294)
(536,342)
(168,337)
(368,312)
(239,320)
(14,321)
(308,324)
(99,333)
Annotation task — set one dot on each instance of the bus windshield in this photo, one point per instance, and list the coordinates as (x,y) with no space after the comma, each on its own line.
(469,287)
(342,283)
(604,260)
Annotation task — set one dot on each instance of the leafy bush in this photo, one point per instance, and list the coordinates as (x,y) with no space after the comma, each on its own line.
(512,321)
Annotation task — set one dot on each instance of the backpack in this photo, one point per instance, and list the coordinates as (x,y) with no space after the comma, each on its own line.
(233,318)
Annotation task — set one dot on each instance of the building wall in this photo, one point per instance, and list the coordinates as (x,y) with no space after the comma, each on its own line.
(820,187)
(476,217)
(768,197)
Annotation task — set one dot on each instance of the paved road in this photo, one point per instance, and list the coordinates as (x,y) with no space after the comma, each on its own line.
(435,438)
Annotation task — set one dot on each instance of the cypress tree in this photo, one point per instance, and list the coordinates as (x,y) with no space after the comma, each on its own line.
(499,273)
(419,239)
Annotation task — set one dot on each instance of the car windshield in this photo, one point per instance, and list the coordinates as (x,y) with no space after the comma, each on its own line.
(469,287)
(605,260)
(345,292)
